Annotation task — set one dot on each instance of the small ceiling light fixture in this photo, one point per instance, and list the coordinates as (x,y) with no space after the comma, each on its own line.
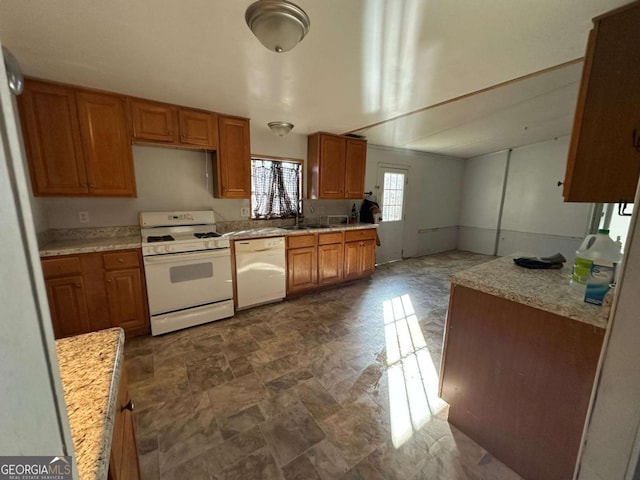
(278,24)
(280,128)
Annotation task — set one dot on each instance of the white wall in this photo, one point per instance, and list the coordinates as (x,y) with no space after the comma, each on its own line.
(173,179)
(535,218)
(614,424)
(480,203)
(432,197)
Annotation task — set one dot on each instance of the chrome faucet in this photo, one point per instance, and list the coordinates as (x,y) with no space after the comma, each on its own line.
(299,212)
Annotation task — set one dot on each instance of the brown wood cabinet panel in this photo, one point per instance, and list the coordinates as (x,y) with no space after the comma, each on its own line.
(153,121)
(299,241)
(198,128)
(61,266)
(68,305)
(301,268)
(123,461)
(330,263)
(604,156)
(360,234)
(368,250)
(127,306)
(352,260)
(93,291)
(106,143)
(332,167)
(518,380)
(335,166)
(52,139)
(355,164)
(328,238)
(233,159)
(121,259)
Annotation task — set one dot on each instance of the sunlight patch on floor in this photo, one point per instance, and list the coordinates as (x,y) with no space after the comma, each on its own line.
(413,380)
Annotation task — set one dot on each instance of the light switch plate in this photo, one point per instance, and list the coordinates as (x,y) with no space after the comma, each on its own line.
(244,212)
(83,217)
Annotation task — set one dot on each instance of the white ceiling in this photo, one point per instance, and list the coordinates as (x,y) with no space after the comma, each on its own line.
(363,61)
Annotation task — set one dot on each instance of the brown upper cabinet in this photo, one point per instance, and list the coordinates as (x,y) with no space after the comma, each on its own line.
(604,157)
(168,124)
(233,158)
(336,166)
(76,141)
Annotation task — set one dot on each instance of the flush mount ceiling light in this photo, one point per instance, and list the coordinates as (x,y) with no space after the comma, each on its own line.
(280,128)
(278,24)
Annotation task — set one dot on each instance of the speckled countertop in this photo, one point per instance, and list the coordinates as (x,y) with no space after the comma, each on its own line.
(90,370)
(547,290)
(279,232)
(88,245)
(91,244)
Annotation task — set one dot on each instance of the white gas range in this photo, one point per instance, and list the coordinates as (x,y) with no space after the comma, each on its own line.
(188,269)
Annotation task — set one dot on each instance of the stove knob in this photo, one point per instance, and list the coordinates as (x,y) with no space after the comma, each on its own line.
(168,248)
(210,244)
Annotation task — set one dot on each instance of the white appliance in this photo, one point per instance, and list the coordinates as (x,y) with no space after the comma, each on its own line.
(260,271)
(187,268)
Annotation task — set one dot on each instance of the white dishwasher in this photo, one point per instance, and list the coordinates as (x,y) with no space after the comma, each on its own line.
(260,271)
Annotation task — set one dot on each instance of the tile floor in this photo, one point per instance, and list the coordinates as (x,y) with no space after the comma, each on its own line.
(340,384)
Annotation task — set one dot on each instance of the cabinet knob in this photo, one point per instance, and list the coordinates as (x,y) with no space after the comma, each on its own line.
(560,183)
(128,406)
(108,280)
(77,285)
(92,185)
(121,260)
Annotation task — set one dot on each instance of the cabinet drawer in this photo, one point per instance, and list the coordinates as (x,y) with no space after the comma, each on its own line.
(120,260)
(355,235)
(299,241)
(58,267)
(329,238)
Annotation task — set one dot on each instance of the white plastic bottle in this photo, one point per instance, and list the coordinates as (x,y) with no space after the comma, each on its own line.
(597,248)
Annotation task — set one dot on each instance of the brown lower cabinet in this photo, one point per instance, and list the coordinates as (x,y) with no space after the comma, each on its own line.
(92,291)
(123,461)
(518,380)
(327,258)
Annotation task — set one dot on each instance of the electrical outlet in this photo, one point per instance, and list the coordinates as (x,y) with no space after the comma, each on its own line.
(83,217)
(244,212)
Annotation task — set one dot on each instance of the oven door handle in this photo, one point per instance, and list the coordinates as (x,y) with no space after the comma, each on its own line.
(180,257)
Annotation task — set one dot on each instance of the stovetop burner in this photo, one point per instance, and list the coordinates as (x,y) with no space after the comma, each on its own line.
(160,238)
(206,235)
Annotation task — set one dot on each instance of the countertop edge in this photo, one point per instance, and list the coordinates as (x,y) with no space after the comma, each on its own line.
(103,461)
(108,244)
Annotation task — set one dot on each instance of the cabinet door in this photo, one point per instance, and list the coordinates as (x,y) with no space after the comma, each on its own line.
(52,139)
(330,263)
(301,268)
(355,162)
(332,166)
(352,260)
(368,257)
(604,156)
(126,299)
(106,143)
(123,461)
(153,121)
(198,128)
(233,158)
(68,306)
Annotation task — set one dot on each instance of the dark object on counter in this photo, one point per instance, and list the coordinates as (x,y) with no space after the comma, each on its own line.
(554,261)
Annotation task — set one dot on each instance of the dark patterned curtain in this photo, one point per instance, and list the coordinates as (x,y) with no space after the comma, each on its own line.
(275,188)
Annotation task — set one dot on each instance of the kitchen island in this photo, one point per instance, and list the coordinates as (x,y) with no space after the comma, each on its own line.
(92,381)
(520,355)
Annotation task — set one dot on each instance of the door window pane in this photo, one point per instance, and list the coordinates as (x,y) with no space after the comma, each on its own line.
(393,194)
